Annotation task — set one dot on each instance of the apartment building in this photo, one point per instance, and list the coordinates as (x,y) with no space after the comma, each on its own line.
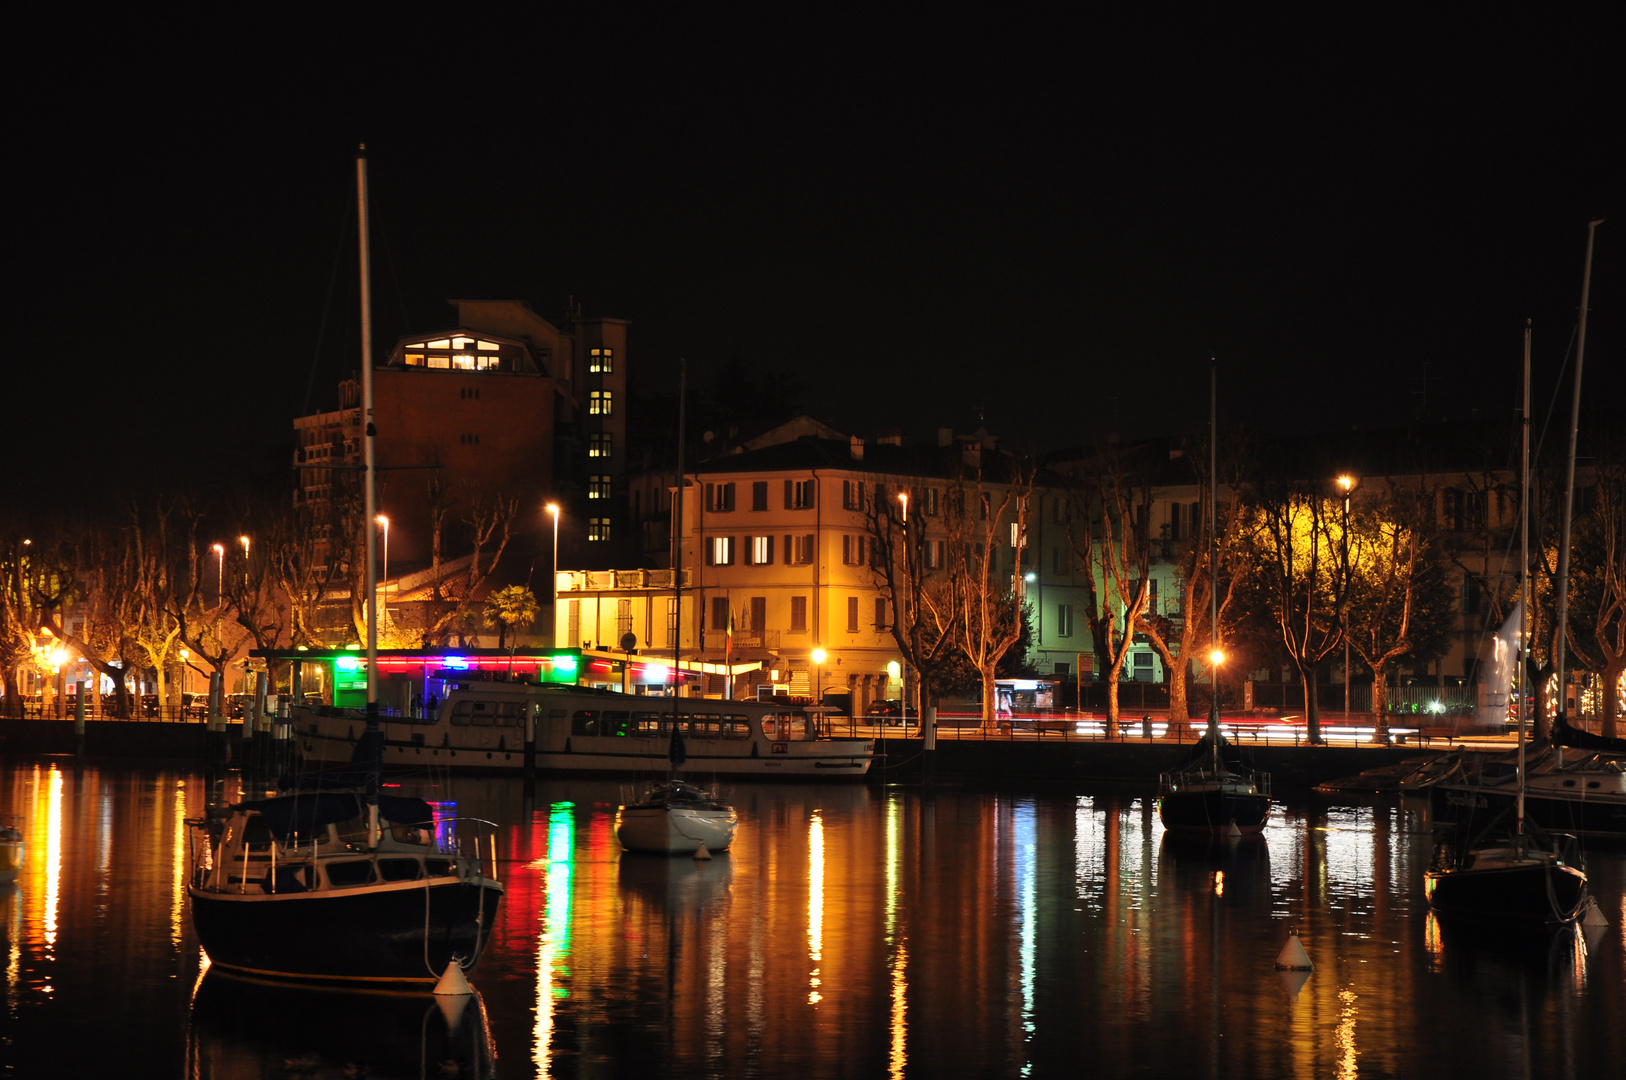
(504,401)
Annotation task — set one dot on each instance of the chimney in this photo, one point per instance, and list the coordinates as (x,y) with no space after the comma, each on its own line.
(857,448)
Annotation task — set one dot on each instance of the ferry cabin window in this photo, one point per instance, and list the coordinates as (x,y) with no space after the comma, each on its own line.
(593,722)
(784,725)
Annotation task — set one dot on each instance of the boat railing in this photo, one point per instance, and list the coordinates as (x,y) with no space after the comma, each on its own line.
(1181,779)
(469,837)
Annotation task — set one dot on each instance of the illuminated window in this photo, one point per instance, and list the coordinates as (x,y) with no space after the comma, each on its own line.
(720,552)
(598,487)
(443,343)
(598,528)
(598,445)
(934,552)
(599,403)
(414,359)
(601,361)
(488,346)
(440,361)
(761,550)
(462,361)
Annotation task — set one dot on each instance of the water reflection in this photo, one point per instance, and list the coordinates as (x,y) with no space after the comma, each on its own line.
(960,933)
(245,1030)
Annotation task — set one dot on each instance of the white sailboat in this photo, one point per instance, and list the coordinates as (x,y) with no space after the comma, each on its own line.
(1511,875)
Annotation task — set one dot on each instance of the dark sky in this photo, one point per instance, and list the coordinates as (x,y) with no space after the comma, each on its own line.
(1052,223)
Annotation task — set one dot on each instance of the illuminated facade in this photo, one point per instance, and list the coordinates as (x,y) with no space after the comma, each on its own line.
(506,402)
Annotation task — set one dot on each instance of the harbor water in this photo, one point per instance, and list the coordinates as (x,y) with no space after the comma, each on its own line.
(852,931)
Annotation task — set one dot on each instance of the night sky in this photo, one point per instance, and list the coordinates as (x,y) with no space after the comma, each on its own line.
(1051,224)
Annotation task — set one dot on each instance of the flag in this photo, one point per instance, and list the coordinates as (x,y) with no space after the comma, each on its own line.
(728,644)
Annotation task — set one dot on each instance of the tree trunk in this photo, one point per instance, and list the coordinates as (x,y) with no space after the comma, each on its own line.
(990,703)
(1612,674)
(1312,707)
(1179,711)
(14,695)
(1380,703)
(1112,705)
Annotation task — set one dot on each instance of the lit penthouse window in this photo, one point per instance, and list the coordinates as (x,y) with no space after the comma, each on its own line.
(458,354)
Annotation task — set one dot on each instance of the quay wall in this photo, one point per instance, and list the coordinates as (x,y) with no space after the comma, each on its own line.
(1016,761)
(1000,761)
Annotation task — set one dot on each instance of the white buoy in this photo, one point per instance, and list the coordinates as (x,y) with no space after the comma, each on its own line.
(701,852)
(1292,982)
(1593,917)
(1293,957)
(452,983)
(1233,833)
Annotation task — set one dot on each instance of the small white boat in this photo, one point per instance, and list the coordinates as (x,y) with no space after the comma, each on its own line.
(676,818)
(11,853)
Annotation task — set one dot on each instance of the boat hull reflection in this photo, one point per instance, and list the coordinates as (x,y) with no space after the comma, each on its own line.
(245,1029)
(313,935)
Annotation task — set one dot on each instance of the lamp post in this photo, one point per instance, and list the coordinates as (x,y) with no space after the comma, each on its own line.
(220,574)
(244,541)
(553,576)
(903,694)
(1348,484)
(385,522)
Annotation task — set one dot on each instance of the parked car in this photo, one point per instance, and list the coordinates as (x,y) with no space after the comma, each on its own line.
(887,712)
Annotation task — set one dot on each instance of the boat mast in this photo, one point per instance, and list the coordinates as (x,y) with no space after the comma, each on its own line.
(1569,483)
(1213,556)
(368,465)
(677,545)
(1524,579)
(374,754)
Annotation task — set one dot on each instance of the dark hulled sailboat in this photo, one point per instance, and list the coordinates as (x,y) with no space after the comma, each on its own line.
(1214,793)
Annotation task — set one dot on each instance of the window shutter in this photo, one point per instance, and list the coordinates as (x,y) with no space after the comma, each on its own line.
(788,494)
(811,553)
(789,555)
(768,559)
(728,496)
(711,496)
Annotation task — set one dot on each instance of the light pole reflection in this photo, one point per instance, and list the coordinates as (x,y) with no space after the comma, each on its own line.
(815,904)
(553,943)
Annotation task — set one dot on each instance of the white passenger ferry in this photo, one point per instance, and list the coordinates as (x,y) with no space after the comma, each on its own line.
(483,725)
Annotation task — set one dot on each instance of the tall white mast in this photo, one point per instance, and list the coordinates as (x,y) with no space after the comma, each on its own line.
(370,514)
(1569,480)
(1524,574)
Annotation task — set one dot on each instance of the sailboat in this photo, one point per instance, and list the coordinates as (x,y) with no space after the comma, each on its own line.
(675,817)
(342,883)
(1525,875)
(1214,793)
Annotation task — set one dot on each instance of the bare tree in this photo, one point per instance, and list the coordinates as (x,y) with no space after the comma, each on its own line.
(1294,536)
(1106,528)
(990,605)
(925,609)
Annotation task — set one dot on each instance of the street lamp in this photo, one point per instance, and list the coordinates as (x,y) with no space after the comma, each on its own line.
(818,656)
(553,576)
(384,521)
(220,574)
(1348,484)
(895,670)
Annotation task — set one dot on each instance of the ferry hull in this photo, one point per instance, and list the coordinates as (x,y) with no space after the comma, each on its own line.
(332,741)
(363,936)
